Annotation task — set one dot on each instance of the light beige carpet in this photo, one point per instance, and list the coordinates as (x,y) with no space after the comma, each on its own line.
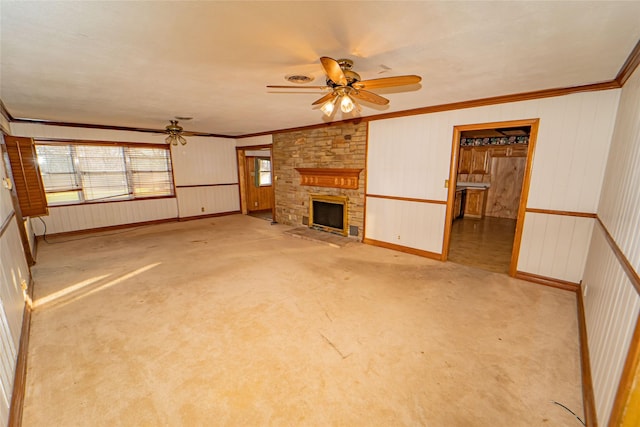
(228,321)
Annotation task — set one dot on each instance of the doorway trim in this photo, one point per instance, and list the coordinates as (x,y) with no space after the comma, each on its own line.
(242,189)
(524,193)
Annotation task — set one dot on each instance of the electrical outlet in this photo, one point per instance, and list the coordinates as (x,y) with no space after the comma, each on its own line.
(255,203)
(446,183)
(202,209)
(398,237)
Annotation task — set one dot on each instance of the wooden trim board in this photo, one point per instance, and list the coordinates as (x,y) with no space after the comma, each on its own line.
(631,273)
(524,194)
(6,222)
(20,378)
(629,66)
(588,398)
(407,199)
(204,185)
(547,281)
(400,248)
(109,228)
(213,215)
(563,213)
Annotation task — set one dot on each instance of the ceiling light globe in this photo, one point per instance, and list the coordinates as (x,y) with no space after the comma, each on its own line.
(328,107)
(347,104)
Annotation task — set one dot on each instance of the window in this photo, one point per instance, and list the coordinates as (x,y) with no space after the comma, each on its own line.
(263,172)
(100,172)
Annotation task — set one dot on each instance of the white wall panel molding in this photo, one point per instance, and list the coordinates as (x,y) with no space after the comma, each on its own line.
(611,310)
(62,219)
(196,201)
(555,245)
(411,224)
(205,161)
(619,207)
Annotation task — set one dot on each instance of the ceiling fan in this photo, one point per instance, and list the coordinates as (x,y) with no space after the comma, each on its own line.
(175,132)
(346,86)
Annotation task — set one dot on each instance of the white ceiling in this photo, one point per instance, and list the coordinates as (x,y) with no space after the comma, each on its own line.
(139,64)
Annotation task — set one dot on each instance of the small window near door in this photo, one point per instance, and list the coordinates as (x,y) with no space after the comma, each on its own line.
(263,172)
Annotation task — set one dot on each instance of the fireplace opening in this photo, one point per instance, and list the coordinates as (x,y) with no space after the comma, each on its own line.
(329,213)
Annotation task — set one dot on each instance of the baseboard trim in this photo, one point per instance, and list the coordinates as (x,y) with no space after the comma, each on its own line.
(588,398)
(548,281)
(20,378)
(190,218)
(108,228)
(401,248)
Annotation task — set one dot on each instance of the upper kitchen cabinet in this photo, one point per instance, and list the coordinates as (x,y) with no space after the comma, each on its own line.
(480,160)
(465,160)
(474,160)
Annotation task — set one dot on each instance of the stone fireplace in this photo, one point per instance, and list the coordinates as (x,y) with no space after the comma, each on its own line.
(324,162)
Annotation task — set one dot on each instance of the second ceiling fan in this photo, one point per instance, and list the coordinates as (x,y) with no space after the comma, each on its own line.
(346,86)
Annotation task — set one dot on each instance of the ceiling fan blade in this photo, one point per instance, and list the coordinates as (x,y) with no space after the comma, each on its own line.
(324,99)
(295,87)
(369,97)
(387,82)
(333,70)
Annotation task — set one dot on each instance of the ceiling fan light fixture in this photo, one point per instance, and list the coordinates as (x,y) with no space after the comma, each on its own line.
(329,106)
(175,134)
(347,104)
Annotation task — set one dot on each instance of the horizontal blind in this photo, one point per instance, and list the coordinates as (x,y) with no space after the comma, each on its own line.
(150,171)
(100,172)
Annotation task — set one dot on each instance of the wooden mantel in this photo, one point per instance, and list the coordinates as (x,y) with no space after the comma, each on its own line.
(330,177)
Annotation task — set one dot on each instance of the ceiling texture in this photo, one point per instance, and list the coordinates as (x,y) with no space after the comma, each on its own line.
(140,64)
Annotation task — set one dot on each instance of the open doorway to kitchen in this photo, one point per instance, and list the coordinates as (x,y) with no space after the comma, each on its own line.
(488,188)
(256,182)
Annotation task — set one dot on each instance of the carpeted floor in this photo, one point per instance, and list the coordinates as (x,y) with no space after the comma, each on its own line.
(229,321)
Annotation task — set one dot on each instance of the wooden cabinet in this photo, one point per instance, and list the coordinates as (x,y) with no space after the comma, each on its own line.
(520,150)
(480,160)
(458,204)
(474,160)
(477,160)
(464,166)
(476,203)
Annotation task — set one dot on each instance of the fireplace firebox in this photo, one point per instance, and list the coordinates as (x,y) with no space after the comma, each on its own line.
(329,213)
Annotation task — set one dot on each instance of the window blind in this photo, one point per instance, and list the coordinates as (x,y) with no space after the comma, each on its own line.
(101,172)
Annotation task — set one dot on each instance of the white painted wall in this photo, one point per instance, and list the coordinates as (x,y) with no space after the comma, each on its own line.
(204,162)
(194,201)
(406,231)
(560,251)
(410,157)
(13,272)
(254,140)
(611,302)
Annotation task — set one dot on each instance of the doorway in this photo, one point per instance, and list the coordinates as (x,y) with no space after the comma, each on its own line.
(256,182)
(488,188)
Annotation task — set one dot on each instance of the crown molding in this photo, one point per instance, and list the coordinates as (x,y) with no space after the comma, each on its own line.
(481,102)
(629,66)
